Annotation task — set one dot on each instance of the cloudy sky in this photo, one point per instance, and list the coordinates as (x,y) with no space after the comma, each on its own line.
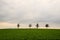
(29,11)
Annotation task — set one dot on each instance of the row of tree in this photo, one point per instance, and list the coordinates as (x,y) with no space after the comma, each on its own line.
(30,25)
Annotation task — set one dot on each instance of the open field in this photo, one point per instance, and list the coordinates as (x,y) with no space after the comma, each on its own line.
(29,34)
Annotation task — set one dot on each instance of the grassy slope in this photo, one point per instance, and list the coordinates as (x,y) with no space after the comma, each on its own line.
(29,34)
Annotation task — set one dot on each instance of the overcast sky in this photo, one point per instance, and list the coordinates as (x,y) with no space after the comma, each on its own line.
(30,11)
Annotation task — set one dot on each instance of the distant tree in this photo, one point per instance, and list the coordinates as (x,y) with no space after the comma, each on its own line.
(47,25)
(37,25)
(18,26)
(30,25)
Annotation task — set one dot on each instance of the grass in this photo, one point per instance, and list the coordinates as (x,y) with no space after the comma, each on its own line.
(29,34)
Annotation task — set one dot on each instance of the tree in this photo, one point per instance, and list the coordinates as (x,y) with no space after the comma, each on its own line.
(18,26)
(30,25)
(47,25)
(37,25)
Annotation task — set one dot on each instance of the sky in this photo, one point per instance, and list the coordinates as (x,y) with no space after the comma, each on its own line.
(29,11)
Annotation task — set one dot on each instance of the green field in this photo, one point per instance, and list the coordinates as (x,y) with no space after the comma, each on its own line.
(29,34)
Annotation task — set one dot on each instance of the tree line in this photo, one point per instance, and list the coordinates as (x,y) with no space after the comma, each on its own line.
(30,25)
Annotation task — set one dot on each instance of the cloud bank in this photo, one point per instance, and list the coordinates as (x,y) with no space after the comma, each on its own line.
(30,11)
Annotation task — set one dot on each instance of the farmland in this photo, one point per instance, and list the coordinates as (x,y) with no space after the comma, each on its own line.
(29,34)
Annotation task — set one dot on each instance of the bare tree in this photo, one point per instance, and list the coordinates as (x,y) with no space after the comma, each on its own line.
(18,26)
(37,25)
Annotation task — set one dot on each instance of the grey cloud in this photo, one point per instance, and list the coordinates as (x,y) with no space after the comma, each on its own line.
(30,11)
